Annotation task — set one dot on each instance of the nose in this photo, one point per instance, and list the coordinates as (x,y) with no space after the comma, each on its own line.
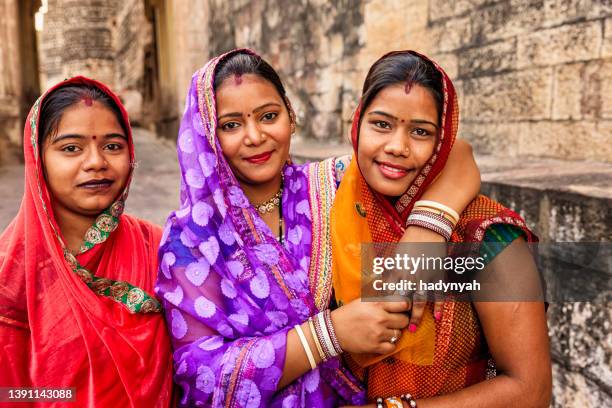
(397,145)
(254,135)
(94,160)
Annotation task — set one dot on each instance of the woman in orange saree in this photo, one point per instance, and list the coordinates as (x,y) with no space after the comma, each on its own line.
(76,274)
(402,133)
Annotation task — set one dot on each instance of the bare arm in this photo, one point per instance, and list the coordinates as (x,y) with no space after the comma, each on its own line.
(517,337)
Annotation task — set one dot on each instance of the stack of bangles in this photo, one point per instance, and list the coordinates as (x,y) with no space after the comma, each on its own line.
(434,216)
(395,402)
(324,336)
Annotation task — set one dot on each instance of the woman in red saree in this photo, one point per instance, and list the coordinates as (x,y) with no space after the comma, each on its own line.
(76,274)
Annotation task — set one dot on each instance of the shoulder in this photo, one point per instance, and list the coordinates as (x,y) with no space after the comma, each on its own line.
(151,233)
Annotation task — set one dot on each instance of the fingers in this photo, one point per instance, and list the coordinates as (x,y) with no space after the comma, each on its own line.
(419,302)
(396,307)
(438,308)
(398,321)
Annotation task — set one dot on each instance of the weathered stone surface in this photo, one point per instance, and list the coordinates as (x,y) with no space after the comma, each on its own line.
(576,42)
(513,96)
(606,49)
(581,89)
(488,60)
(506,19)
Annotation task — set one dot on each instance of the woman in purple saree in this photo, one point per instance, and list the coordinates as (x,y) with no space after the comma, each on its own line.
(233,289)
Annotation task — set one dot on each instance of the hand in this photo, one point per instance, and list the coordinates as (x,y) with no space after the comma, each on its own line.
(367,327)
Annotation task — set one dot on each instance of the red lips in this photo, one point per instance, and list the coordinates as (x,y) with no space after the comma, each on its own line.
(392,171)
(259,158)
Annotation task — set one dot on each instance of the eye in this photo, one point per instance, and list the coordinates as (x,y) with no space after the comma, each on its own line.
(229,126)
(269,116)
(70,149)
(114,146)
(381,124)
(420,132)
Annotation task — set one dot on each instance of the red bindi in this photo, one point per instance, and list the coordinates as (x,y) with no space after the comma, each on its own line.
(237,79)
(88,101)
(94,137)
(408,86)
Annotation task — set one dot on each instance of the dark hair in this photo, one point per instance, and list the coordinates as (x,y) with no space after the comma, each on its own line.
(402,67)
(242,63)
(58,101)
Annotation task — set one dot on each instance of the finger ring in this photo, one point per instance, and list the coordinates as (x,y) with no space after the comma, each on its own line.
(395,338)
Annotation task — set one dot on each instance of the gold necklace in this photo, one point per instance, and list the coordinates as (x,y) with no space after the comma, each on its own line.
(271,204)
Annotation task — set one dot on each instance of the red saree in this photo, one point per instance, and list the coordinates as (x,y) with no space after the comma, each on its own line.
(83,321)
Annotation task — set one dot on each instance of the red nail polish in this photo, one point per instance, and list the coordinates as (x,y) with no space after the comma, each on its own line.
(438,316)
(412,328)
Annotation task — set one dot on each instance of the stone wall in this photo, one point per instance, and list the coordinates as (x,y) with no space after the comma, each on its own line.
(534,77)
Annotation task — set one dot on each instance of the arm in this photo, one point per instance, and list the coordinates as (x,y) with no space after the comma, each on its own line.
(455,187)
(517,335)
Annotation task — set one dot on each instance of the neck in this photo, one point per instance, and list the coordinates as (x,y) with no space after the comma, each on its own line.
(73,227)
(259,193)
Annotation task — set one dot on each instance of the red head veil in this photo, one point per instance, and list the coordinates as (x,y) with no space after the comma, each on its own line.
(86,320)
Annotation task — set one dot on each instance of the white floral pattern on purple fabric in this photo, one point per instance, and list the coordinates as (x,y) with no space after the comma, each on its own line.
(226,233)
(207,163)
(185,141)
(235,268)
(197,272)
(167,261)
(303,207)
(210,249)
(260,286)
(237,198)
(228,289)
(194,178)
(175,297)
(178,324)
(266,253)
(248,394)
(295,235)
(311,380)
(205,381)
(201,213)
(211,343)
(263,353)
(204,307)
(188,238)
(241,318)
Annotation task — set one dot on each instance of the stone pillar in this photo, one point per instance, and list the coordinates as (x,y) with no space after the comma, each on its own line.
(78,40)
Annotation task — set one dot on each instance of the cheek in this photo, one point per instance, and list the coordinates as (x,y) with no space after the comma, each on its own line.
(230,145)
(422,151)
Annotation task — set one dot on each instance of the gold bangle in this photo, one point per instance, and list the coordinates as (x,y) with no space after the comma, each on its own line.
(313,332)
(438,206)
(307,349)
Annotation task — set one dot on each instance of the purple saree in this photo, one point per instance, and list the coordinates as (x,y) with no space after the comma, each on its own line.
(231,292)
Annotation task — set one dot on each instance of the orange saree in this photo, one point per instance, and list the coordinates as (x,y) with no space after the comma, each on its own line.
(442,356)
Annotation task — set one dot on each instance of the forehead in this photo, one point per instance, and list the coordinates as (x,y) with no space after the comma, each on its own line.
(405,102)
(88,114)
(248,86)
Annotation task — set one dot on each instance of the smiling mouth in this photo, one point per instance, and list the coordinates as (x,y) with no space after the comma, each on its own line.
(96,184)
(392,171)
(259,158)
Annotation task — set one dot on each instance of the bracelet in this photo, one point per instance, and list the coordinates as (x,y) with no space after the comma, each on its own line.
(409,399)
(313,332)
(444,209)
(394,402)
(332,332)
(427,220)
(426,212)
(307,349)
(325,337)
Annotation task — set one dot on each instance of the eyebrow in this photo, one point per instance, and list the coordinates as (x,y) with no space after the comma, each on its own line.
(239,115)
(81,137)
(415,121)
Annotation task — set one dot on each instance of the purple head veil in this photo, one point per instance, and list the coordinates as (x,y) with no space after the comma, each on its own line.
(231,291)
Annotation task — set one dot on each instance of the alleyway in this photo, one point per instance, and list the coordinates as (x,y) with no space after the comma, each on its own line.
(154,192)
